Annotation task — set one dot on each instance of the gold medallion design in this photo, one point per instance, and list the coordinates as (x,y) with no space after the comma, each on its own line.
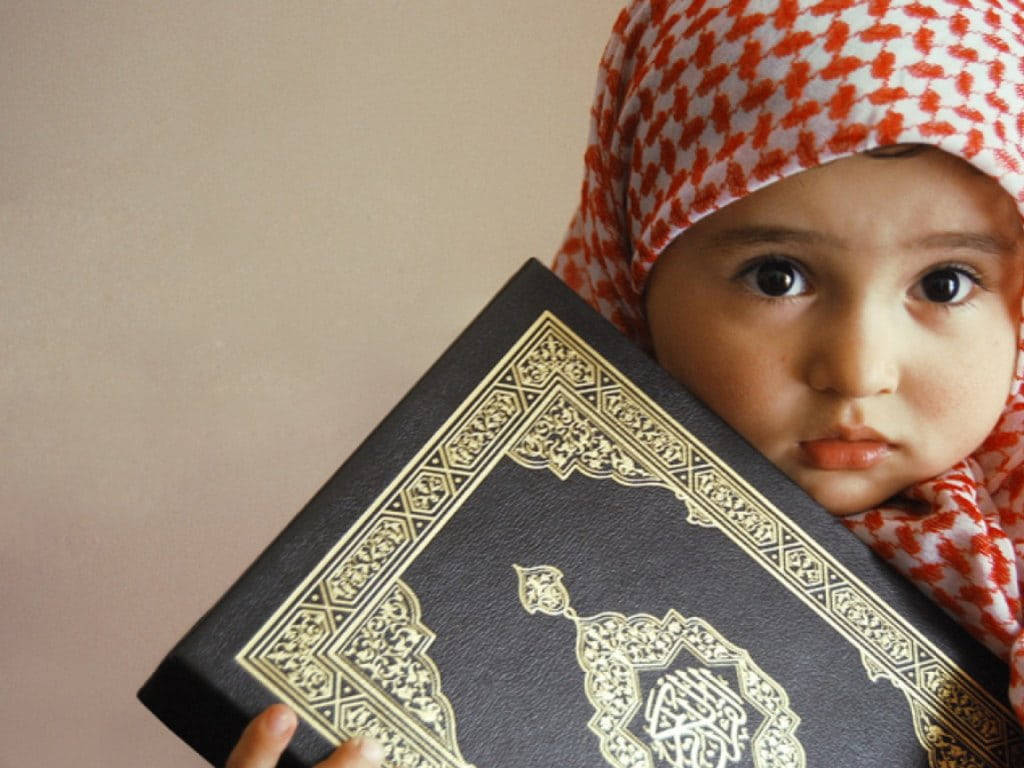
(693,716)
(349,650)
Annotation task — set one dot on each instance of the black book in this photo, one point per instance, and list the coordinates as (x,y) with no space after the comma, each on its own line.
(550,554)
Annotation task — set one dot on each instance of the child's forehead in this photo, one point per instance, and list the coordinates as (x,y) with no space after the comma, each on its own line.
(917,194)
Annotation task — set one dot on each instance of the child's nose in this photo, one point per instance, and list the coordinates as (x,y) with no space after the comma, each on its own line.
(855,354)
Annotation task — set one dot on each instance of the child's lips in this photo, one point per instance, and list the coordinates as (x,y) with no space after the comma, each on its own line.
(837,453)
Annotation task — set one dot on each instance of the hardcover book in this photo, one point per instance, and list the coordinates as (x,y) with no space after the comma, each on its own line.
(550,554)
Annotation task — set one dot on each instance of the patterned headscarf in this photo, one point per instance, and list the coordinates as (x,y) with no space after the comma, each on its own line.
(701,102)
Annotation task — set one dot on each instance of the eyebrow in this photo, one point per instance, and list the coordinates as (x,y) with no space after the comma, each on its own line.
(753,235)
(975,241)
(739,236)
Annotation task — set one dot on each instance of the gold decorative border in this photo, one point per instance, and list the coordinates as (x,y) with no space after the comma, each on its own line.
(553,403)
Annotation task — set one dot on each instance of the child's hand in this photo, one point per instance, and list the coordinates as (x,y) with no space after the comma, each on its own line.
(265,738)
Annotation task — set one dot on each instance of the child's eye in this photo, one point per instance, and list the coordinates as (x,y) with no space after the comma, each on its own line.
(949,285)
(775,278)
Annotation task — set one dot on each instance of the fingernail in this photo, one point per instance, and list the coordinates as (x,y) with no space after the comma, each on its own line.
(281,721)
(370,749)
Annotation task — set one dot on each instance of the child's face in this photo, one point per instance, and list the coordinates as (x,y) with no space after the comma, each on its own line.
(857,322)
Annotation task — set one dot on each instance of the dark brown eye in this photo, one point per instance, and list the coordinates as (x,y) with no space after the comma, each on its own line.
(776,278)
(946,285)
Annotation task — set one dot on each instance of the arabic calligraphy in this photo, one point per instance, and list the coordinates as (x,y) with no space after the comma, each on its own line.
(695,720)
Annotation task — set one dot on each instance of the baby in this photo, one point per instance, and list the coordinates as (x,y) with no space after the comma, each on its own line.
(810,213)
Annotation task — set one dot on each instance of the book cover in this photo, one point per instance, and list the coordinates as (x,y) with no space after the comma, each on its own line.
(550,554)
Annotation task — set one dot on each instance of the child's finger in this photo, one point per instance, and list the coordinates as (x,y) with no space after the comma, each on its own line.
(264,739)
(360,752)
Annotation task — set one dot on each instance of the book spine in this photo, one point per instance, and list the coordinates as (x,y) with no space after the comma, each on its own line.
(197,712)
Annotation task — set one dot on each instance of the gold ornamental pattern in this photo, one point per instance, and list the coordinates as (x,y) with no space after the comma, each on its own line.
(553,404)
(564,440)
(693,717)
(391,649)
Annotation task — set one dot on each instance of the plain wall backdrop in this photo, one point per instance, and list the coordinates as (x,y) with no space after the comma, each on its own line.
(232,235)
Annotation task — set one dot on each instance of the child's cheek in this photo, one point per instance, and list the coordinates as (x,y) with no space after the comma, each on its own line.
(954,406)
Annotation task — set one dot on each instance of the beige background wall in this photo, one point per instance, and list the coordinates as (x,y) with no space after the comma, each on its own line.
(231,237)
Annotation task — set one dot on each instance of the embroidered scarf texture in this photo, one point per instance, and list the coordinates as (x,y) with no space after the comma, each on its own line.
(702,102)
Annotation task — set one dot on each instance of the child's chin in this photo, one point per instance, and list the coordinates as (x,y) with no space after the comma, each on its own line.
(843,497)
(845,492)
(843,512)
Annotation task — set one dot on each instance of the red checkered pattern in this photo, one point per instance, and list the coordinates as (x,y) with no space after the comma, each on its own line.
(701,102)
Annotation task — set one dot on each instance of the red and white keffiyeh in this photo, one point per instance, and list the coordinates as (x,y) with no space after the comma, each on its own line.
(700,102)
